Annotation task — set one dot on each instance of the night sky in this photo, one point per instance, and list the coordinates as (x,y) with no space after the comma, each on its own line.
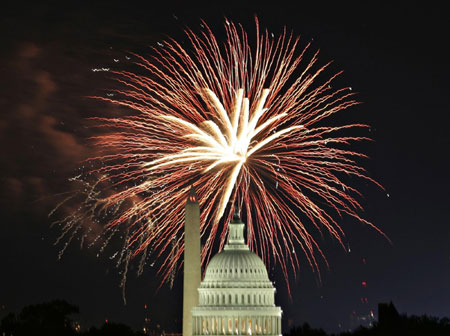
(396,58)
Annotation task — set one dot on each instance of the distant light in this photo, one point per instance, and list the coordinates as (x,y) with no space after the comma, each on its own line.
(364,283)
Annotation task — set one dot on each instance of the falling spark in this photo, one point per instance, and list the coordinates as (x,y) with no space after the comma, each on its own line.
(241,123)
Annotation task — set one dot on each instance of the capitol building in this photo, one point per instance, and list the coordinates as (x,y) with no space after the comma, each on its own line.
(235,296)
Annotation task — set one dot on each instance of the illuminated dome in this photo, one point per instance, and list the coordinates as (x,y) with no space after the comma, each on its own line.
(236,265)
(231,267)
(236,296)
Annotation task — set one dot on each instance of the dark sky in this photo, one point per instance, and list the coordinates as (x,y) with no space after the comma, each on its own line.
(396,58)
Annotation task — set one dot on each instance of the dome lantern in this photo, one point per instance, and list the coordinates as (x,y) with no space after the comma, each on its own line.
(236,233)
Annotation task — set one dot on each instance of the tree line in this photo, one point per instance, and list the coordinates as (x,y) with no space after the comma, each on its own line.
(54,319)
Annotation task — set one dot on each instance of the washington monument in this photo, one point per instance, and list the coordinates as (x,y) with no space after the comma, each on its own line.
(192,268)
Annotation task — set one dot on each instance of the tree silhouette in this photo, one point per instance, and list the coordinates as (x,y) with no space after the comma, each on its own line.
(52,319)
(49,319)
(306,330)
(112,329)
(408,326)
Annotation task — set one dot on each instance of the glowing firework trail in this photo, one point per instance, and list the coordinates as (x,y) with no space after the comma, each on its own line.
(240,123)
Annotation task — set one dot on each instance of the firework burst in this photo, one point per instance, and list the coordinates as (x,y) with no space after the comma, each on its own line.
(242,124)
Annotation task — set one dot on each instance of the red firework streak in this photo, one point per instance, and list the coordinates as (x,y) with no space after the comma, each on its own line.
(240,123)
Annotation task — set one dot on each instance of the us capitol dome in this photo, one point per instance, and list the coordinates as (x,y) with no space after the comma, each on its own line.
(236,296)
